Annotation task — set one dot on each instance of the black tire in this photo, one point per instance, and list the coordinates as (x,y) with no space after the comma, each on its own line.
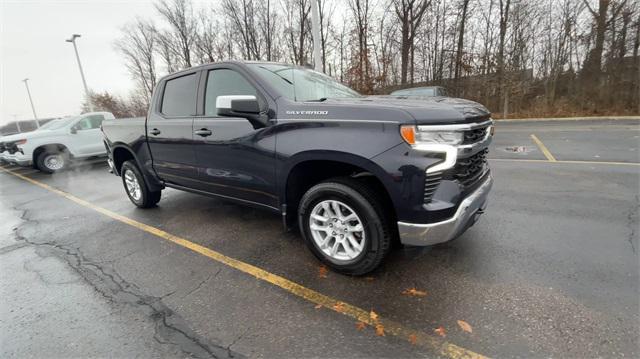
(45,163)
(367,205)
(145,198)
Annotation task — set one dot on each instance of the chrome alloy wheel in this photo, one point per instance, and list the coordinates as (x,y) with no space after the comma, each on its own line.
(133,187)
(337,230)
(54,161)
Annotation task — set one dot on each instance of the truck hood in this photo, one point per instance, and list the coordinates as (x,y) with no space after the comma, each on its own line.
(403,109)
(428,110)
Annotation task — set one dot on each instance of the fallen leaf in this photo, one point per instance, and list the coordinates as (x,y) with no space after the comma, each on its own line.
(465,326)
(322,272)
(339,307)
(373,315)
(413,339)
(380,330)
(360,325)
(318,306)
(441,331)
(413,292)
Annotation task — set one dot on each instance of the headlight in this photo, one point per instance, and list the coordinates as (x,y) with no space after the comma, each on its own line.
(416,136)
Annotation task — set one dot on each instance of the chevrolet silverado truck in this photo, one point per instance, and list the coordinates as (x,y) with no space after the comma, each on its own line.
(354,173)
(53,146)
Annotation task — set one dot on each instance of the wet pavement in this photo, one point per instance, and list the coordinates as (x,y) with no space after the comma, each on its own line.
(550,270)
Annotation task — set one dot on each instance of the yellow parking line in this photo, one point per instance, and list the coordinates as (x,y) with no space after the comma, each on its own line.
(563,161)
(431,342)
(543,148)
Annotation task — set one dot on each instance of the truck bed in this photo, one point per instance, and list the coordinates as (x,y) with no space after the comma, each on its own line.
(126,130)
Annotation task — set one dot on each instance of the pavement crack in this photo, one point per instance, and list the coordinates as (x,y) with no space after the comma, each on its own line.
(236,340)
(169,328)
(197,287)
(12,247)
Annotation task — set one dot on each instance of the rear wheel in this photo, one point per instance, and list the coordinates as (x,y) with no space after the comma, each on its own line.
(136,188)
(51,161)
(345,226)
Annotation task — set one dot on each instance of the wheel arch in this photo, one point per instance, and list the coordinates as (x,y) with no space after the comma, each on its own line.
(49,146)
(306,169)
(121,153)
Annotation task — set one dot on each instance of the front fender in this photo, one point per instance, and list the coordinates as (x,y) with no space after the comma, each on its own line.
(387,179)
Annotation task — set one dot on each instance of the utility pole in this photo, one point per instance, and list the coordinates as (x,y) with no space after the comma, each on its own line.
(35,117)
(84,82)
(315,32)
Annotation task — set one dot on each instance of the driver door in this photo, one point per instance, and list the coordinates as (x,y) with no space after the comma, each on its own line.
(235,157)
(87,137)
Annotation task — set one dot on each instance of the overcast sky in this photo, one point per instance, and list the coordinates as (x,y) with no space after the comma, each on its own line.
(32,45)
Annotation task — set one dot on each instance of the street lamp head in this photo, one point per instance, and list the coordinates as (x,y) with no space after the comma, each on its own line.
(25,80)
(73,38)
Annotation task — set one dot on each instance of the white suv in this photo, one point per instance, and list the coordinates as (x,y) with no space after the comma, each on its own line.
(51,148)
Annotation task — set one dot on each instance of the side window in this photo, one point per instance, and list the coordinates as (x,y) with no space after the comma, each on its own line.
(179,98)
(224,82)
(95,121)
(83,124)
(89,122)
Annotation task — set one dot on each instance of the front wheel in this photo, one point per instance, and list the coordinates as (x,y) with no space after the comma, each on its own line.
(51,161)
(136,188)
(344,224)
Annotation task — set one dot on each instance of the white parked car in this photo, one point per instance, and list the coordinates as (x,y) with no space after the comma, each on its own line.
(54,145)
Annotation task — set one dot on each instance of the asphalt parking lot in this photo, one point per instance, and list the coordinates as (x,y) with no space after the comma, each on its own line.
(550,270)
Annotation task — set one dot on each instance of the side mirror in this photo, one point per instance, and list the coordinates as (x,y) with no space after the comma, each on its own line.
(74,130)
(238,106)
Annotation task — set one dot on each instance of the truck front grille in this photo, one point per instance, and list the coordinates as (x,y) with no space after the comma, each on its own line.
(468,170)
(475,135)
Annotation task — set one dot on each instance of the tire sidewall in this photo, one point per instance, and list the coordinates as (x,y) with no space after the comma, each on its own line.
(128,166)
(364,210)
(41,161)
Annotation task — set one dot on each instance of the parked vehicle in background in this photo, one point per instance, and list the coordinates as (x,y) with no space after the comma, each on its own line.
(426,91)
(54,145)
(354,173)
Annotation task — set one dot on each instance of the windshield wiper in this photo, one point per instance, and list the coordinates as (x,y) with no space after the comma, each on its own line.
(321,99)
(277,74)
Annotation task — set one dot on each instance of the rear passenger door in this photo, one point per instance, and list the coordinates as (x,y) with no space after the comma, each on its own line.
(170,130)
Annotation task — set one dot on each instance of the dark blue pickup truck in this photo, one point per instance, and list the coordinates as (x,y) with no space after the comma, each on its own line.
(354,173)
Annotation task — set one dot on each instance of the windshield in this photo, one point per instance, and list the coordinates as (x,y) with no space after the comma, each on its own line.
(49,124)
(57,124)
(300,84)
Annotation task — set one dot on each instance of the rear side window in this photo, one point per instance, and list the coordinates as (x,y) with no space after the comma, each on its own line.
(179,98)
(225,82)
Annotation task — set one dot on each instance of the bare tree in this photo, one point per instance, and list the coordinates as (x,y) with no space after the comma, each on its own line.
(459,48)
(410,14)
(181,34)
(138,46)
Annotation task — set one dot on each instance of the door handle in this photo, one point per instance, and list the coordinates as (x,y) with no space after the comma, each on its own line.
(155,132)
(204,132)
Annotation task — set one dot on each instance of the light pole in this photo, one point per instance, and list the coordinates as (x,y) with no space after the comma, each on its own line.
(84,82)
(35,117)
(315,32)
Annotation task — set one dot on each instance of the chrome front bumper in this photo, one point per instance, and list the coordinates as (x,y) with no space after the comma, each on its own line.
(415,234)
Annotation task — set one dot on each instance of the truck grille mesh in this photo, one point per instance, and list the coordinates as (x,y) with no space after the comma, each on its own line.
(468,170)
(473,136)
